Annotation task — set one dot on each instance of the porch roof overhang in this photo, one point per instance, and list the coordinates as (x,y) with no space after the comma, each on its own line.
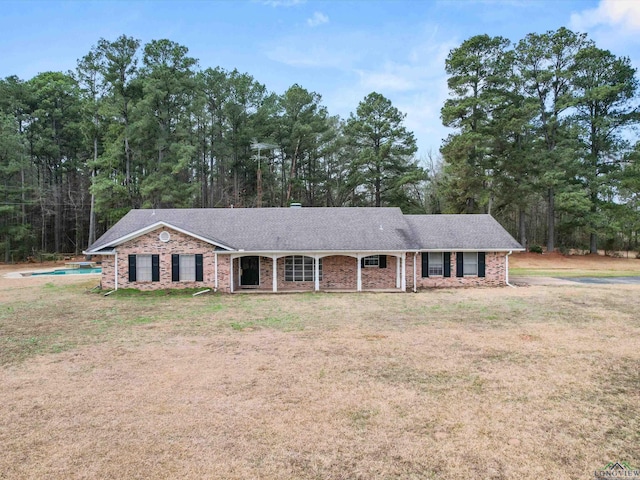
(310,253)
(353,253)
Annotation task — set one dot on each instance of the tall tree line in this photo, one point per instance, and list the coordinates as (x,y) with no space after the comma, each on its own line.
(144,126)
(544,139)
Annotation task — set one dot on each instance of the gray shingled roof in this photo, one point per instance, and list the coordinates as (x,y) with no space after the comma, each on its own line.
(278,229)
(320,229)
(451,232)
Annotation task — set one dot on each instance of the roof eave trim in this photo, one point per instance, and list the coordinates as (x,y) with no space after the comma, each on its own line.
(290,251)
(483,249)
(155,226)
(99,252)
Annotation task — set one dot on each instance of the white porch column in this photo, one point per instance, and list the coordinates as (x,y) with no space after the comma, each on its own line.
(359,287)
(275,274)
(403,283)
(316,272)
(215,271)
(231,273)
(397,271)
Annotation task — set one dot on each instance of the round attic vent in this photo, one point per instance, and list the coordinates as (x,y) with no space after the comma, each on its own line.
(164,237)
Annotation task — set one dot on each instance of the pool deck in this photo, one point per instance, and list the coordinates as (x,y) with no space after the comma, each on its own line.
(28,273)
(78,265)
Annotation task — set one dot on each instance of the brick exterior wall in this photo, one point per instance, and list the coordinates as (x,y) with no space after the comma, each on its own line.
(495,274)
(380,278)
(339,272)
(150,244)
(107,280)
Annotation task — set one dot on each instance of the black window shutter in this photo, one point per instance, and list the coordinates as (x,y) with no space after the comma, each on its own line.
(382,263)
(425,264)
(447,264)
(175,267)
(481,264)
(199,268)
(132,268)
(155,268)
(459,264)
(362,262)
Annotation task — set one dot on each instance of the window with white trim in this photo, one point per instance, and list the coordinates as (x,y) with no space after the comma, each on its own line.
(144,269)
(470,264)
(371,261)
(298,268)
(436,264)
(187,268)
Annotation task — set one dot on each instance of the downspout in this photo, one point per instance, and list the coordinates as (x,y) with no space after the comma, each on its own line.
(215,274)
(507,269)
(116,270)
(415,257)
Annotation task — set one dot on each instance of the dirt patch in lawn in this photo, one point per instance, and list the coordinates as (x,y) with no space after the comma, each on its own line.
(537,382)
(578,262)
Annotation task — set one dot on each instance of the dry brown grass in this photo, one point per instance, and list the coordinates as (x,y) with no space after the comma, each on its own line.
(537,382)
(581,262)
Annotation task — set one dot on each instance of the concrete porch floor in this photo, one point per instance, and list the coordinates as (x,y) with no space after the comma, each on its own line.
(324,290)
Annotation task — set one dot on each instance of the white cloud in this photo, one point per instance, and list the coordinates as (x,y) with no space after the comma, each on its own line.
(316,56)
(405,67)
(283,3)
(318,19)
(423,64)
(611,13)
(385,80)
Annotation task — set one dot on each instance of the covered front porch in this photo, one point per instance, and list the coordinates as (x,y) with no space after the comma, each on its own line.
(275,272)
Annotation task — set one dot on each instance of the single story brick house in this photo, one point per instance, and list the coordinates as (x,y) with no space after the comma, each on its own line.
(302,249)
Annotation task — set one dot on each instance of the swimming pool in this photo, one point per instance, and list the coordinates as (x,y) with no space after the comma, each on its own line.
(70,271)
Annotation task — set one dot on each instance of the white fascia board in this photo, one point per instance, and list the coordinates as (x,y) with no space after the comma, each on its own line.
(153,227)
(471,250)
(99,252)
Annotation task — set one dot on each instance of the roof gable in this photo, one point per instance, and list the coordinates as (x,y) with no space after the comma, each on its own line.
(114,240)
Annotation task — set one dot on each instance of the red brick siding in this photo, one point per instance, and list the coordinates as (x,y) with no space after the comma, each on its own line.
(150,244)
(495,274)
(409,270)
(380,278)
(224,271)
(266,272)
(107,280)
(339,272)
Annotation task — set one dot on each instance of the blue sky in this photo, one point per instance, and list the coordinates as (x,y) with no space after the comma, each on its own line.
(342,50)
